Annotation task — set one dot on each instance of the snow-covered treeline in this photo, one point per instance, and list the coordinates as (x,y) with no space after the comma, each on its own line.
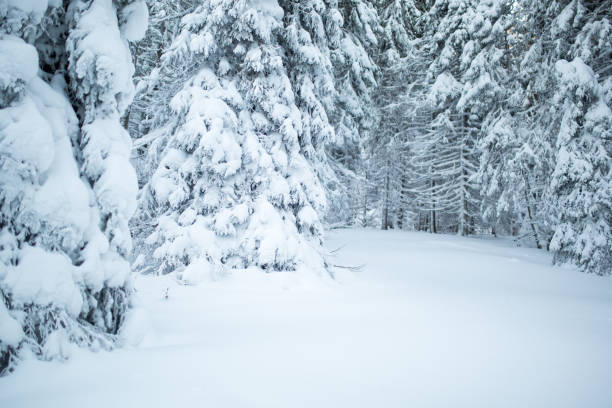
(495,118)
(231,132)
(464,117)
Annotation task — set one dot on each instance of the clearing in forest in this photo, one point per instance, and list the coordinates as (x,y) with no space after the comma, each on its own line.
(429,321)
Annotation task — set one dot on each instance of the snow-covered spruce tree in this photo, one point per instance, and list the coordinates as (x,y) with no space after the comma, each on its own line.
(401,24)
(486,80)
(517,150)
(155,85)
(388,175)
(504,173)
(355,72)
(388,148)
(442,150)
(589,250)
(66,186)
(232,188)
(354,115)
(545,142)
(593,44)
(310,29)
(581,182)
(465,41)
(401,66)
(308,65)
(517,154)
(155,89)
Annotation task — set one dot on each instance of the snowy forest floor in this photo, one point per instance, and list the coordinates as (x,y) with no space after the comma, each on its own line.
(430,321)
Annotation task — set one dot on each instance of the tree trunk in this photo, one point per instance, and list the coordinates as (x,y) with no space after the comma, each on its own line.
(433,229)
(463,215)
(401,209)
(385,225)
(364,220)
(529,212)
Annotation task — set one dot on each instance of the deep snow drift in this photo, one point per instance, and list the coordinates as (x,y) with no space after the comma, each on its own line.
(430,321)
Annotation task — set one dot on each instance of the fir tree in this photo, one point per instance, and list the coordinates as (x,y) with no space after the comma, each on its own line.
(232,188)
(66,186)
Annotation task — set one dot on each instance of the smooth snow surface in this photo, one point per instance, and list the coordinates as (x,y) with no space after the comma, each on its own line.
(430,321)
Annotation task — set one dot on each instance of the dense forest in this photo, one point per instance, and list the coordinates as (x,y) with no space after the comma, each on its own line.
(197,137)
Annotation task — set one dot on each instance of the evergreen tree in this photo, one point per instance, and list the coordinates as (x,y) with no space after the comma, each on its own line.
(516,158)
(232,188)
(66,186)
(444,157)
(401,24)
(310,29)
(399,63)
(154,88)
(354,116)
(581,181)
(536,151)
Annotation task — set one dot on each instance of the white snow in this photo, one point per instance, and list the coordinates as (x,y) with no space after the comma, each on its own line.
(26,140)
(136,326)
(34,7)
(63,197)
(196,272)
(18,60)
(135,18)
(445,86)
(268,7)
(100,44)
(430,321)
(575,71)
(563,21)
(11,332)
(44,278)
